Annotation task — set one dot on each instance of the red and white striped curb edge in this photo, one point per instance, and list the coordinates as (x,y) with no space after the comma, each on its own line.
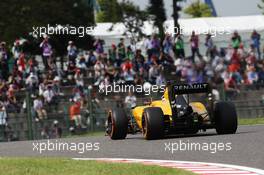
(196,167)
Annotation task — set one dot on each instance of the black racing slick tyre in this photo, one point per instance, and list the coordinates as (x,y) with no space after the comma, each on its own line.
(153,123)
(117,124)
(225,118)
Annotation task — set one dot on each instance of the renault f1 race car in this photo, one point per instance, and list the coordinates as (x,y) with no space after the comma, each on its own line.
(183,109)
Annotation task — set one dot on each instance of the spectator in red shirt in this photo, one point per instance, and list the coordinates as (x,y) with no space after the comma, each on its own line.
(235,62)
(75,114)
(21,63)
(127,66)
(231,86)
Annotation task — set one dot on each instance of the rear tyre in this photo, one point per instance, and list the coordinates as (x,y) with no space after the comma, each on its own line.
(153,123)
(117,124)
(225,118)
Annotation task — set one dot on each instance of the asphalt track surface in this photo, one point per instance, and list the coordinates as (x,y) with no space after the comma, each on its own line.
(247,148)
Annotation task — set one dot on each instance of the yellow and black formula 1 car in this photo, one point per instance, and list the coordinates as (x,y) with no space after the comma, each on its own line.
(183,109)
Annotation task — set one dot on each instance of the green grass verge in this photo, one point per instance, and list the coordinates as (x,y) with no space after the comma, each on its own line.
(55,166)
(252,121)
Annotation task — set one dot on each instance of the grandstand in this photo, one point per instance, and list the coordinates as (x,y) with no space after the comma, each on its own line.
(235,72)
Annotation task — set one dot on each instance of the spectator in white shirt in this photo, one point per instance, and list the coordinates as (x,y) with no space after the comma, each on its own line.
(148,46)
(16,50)
(79,79)
(39,108)
(3,115)
(32,83)
(130,100)
(48,95)
(72,52)
(46,52)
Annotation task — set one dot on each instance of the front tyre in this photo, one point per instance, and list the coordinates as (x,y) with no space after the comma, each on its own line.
(225,118)
(153,123)
(117,124)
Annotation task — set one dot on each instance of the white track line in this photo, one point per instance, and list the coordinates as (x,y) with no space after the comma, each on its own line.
(202,168)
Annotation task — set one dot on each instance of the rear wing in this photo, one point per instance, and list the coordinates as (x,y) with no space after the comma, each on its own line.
(179,89)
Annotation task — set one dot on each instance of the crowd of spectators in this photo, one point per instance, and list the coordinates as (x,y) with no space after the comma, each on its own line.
(21,74)
(150,60)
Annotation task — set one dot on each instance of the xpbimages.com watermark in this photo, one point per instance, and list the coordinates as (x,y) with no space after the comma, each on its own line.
(58,146)
(147,89)
(213,31)
(181,146)
(80,31)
